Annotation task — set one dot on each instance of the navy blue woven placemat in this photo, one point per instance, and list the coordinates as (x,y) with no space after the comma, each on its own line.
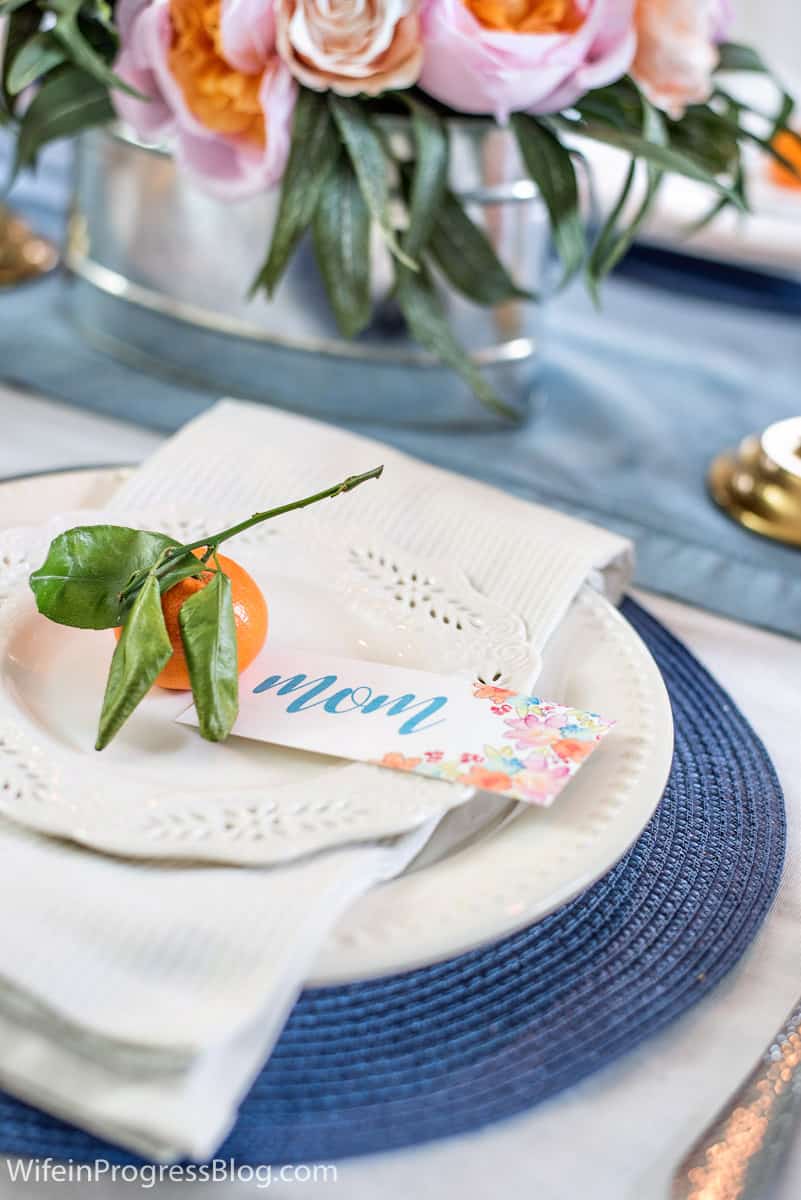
(450,1048)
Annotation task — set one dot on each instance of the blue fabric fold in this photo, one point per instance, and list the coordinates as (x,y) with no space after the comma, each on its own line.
(639,398)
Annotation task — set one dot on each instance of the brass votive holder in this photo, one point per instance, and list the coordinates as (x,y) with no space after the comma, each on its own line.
(24,255)
(759,484)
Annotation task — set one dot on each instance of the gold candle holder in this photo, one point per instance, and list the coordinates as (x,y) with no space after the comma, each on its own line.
(23,254)
(759,484)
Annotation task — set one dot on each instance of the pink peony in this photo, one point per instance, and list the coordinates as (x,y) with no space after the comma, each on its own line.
(540,56)
(676,50)
(247,33)
(217,89)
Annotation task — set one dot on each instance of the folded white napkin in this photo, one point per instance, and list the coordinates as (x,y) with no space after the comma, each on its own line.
(529,558)
(139,1000)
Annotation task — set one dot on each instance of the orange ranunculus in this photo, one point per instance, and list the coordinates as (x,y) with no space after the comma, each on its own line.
(224,100)
(528,16)
(215,88)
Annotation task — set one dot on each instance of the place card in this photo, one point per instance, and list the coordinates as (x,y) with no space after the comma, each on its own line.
(441,726)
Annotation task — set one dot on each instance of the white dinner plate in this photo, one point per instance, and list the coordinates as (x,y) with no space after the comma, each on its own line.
(490,872)
(160,791)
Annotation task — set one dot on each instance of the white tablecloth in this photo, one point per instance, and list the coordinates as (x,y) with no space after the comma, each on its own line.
(618,1135)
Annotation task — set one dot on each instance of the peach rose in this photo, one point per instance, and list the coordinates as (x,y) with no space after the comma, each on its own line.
(676,51)
(351,46)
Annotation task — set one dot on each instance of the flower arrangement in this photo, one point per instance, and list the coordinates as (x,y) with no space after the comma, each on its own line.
(304,95)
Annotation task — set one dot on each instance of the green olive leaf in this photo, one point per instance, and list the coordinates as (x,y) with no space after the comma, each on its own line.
(369,159)
(208,633)
(430,177)
(428,324)
(466,256)
(86,569)
(143,650)
(67,102)
(550,165)
(312,154)
(341,229)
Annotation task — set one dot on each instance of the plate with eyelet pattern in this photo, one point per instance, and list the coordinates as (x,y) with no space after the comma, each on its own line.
(160,791)
(486,877)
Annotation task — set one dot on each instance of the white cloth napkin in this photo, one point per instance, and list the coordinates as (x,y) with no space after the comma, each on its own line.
(529,558)
(140,1000)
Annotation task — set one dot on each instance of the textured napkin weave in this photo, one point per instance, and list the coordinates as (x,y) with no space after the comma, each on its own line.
(528,558)
(140,1000)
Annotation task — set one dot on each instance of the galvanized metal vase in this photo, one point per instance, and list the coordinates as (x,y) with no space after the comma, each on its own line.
(161,275)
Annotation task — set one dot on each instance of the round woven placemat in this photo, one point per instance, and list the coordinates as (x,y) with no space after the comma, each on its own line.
(452,1047)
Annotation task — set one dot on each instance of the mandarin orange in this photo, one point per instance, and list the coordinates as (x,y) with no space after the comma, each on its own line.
(250,616)
(789,146)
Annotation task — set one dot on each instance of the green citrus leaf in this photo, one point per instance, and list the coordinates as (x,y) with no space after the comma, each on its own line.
(86,569)
(184,567)
(142,652)
(208,633)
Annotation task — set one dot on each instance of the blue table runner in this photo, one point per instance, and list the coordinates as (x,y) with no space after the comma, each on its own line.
(685,359)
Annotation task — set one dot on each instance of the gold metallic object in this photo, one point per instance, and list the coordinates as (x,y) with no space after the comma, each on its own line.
(759,484)
(23,254)
(740,1155)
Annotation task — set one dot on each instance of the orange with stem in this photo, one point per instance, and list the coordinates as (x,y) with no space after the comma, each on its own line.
(250,617)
